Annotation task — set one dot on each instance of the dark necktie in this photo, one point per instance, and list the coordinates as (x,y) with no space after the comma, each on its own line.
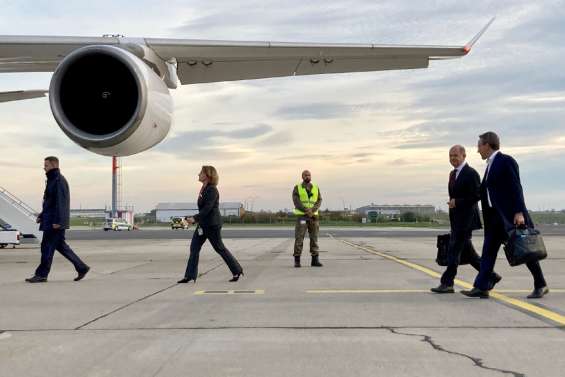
(452,178)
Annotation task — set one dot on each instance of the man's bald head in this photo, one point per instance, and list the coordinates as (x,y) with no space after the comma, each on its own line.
(457,155)
(306,176)
(458,149)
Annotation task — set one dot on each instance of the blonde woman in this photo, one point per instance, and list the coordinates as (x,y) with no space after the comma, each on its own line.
(209,227)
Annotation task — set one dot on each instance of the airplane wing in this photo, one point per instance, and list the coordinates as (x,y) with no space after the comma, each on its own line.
(40,53)
(201,61)
(18,95)
(205,61)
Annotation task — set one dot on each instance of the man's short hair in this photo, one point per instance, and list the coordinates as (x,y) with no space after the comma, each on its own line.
(491,139)
(459,148)
(52,159)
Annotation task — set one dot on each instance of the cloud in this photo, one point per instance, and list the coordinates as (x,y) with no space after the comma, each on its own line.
(318,111)
(396,126)
(206,140)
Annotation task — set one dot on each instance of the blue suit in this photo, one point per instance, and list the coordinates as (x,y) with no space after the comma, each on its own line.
(56,210)
(502,184)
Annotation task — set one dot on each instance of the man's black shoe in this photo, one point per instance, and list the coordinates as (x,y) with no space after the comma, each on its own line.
(539,292)
(476,292)
(443,289)
(316,261)
(296,262)
(36,279)
(494,280)
(82,274)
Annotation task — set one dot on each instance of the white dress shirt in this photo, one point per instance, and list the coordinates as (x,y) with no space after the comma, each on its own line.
(489,164)
(459,168)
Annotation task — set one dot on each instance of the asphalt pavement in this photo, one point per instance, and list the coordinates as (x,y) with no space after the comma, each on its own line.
(156,233)
(367,312)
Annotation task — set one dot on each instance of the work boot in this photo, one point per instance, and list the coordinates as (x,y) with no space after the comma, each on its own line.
(296,262)
(315,261)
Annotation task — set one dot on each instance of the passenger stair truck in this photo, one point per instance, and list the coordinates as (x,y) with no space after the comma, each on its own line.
(15,214)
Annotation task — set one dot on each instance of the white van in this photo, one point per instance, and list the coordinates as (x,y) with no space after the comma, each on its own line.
(9,237)
(116,224)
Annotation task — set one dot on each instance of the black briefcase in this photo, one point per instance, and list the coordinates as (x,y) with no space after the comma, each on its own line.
(443,248)
(524,245)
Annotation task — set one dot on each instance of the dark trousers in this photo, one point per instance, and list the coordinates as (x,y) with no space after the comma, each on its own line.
(311,224)
(495,236)
(55,240)
(212,233)
(458,242)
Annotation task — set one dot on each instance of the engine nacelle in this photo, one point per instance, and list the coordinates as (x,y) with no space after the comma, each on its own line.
(109,101)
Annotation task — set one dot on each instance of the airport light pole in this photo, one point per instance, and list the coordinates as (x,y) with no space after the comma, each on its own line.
(114,187)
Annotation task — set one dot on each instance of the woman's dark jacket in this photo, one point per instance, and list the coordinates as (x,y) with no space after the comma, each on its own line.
(208,207)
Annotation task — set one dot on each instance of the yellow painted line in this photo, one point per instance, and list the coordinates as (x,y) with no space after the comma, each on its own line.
(366,291)
(230,292)
(552,290)
(545,313)
(412,291)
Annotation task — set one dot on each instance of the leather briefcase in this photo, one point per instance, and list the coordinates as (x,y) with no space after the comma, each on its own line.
(443,249)
(524,245)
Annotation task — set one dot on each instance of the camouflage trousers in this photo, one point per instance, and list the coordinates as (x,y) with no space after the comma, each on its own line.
(313,226)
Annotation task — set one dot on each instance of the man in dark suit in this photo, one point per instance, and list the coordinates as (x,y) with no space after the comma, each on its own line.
(502,200)
(464,193)
(53,220)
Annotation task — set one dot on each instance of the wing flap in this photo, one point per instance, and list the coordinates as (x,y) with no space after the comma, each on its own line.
(265,68)
(206,61)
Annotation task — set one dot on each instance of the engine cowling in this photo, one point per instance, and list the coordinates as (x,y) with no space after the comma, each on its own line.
(109,101)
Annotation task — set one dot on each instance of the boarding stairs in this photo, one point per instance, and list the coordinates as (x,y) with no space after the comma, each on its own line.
(15,214)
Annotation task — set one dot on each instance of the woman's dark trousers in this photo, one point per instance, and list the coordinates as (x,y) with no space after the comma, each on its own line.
(213,234)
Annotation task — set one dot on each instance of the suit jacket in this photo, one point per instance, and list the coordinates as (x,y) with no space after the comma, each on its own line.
(208,207)
(506,194)
(466,192)
(56,202)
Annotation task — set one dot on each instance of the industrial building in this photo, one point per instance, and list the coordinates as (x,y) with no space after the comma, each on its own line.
(164,211)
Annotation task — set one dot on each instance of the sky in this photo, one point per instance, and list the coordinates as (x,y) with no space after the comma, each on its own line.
(378,137)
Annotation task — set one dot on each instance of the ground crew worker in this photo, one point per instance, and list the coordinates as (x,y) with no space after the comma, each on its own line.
(307,200)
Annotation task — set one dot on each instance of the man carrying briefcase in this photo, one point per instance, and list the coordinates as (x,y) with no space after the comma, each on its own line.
(504,208)
(464,193)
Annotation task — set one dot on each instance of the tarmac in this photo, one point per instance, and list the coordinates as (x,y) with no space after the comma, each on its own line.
(367,312)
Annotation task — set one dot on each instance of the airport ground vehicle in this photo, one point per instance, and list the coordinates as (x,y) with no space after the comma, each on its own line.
(9,237)
(178,223)
(117,224)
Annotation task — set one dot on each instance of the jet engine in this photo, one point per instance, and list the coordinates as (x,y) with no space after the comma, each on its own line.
(109,101)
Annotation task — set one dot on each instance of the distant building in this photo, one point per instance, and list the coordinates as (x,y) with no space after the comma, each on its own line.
(164,211)
(396,210)
(90,213)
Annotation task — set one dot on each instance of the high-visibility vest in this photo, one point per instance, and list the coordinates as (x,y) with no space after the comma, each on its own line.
(307,202)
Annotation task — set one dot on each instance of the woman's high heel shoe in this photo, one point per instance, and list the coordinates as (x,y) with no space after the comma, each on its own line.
(236,277)
(185,280)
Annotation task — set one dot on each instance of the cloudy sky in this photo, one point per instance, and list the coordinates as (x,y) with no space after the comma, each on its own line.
(379,137)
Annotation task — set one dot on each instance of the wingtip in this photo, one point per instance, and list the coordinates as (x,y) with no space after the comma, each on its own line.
(467,48)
